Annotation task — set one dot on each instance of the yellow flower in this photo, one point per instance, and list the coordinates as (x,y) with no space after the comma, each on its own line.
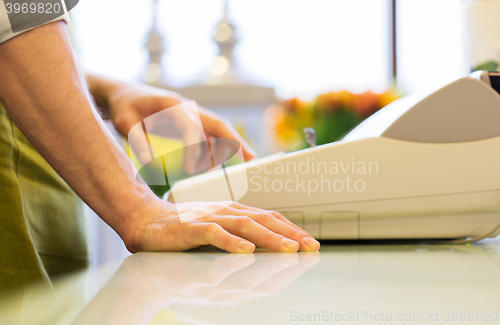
(304,111)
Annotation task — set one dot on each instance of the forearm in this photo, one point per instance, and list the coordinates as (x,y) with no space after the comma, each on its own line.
(45,94)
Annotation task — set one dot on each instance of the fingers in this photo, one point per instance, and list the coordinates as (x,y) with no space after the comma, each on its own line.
(204,161)
(217,127)
(277,223)
(221,151)
(277,215)
(213,234)
(247,228)
(193,137)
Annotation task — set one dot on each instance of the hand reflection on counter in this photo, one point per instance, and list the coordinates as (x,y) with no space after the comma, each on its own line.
(264,288)
(148,282)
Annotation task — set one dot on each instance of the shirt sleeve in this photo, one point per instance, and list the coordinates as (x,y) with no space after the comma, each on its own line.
(6,32)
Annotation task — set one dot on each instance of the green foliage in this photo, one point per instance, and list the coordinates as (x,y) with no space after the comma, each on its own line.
(488,66)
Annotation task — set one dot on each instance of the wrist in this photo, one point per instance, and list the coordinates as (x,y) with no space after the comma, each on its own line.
(153,214)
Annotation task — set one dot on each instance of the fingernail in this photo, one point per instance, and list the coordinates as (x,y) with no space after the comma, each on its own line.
(309,242)
(288,243)
(246,246)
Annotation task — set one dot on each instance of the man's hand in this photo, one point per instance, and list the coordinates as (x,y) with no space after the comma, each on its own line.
(128,104)
(233,227)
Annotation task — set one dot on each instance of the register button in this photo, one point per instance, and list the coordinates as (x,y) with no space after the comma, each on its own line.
(339,225)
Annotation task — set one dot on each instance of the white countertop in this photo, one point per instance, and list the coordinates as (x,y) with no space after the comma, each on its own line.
(343,284)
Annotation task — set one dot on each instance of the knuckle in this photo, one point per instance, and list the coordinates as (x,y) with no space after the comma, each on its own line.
(277,215)
(295,233)
(283,219)
(270,236)
(221,207)
(243,221)
(212,229)
(234,204)
(264,217)
(226,204)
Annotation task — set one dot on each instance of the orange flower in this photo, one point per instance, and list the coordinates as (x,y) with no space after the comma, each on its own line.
(388,97)
(355,104)
(291,104)
(369,103)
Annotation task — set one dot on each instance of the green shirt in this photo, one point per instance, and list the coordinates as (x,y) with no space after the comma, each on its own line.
(43,229)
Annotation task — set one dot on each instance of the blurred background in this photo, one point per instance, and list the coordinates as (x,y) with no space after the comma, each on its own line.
(273,50)
(273,67)
(301,48)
